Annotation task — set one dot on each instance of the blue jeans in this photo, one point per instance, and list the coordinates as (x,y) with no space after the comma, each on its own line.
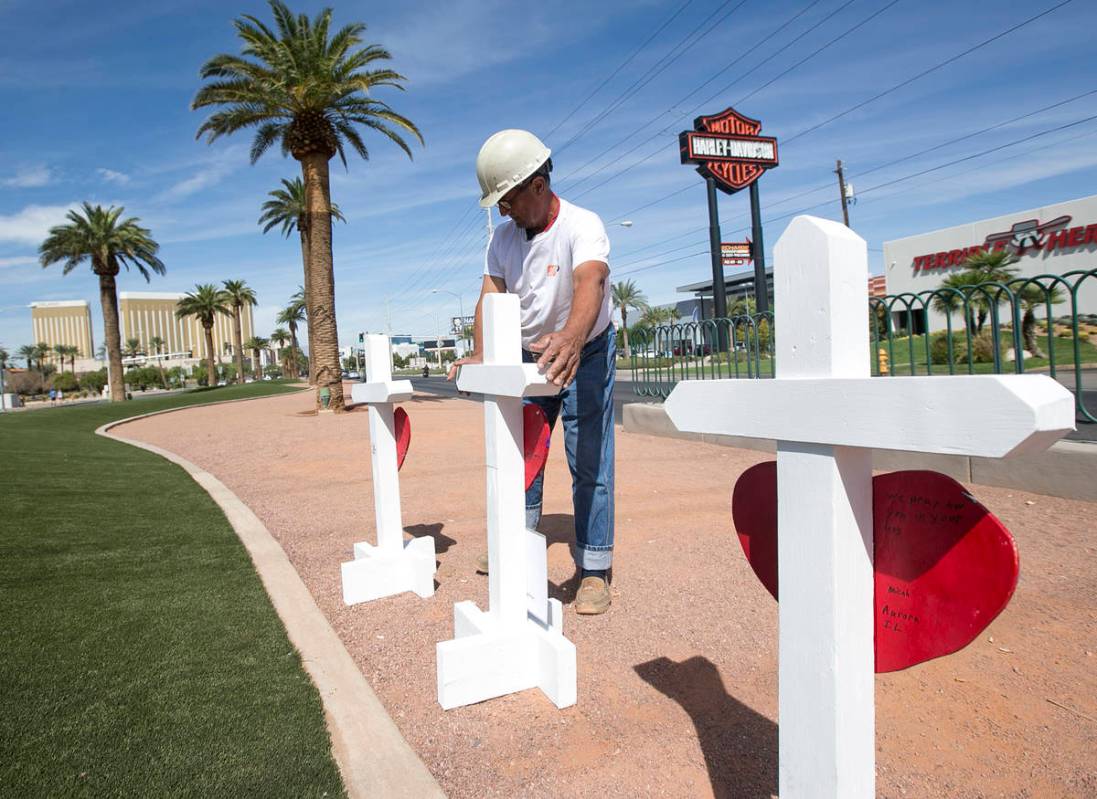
(587,406)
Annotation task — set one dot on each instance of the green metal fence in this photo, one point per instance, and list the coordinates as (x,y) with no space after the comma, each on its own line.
(1020,325)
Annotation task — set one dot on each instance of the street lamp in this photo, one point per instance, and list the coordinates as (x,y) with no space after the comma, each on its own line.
(460,307)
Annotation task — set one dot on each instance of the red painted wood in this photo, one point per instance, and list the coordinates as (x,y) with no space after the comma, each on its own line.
(402,426)
(945,566)
(536,435)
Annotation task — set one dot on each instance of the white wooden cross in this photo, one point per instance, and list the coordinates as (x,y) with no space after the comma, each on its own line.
(394,565)
(519,643)
(826,413)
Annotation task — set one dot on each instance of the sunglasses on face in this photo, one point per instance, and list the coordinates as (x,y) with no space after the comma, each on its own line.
(505,203)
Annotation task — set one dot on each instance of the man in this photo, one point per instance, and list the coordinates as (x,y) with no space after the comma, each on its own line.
(555,257)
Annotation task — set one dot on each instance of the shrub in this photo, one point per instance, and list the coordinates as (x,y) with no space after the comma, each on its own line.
(65,381)
(25,383)
(94,381)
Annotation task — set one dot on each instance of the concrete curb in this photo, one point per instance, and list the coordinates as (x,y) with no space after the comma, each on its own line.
(1065,470)
(373,757)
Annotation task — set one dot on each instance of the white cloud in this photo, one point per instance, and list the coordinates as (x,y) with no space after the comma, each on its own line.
(29,178)
(111,176)
(32,224)
(18,260)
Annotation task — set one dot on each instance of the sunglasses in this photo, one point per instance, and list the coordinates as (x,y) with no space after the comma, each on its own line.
(505,203)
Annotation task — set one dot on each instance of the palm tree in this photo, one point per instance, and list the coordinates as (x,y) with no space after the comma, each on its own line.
(256,344)
(290,316)
(71,351)
(238,293)
(288,207)
(98,235)
(42,350)
(280,336)
(28,352)
(985,266)
(156,344)
(204,303)
(656,317)
(311,92)
(626,295)
(62,352)
(132,348)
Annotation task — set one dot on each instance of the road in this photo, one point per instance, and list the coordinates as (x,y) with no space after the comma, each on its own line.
(624,393)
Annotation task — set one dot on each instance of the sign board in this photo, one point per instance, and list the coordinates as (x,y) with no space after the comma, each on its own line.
(727,148)
(735,253)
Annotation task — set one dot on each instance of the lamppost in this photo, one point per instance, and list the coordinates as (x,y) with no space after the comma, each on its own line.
(460,307)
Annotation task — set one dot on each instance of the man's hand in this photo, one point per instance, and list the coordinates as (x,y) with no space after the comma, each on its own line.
(456,365)
(560,354)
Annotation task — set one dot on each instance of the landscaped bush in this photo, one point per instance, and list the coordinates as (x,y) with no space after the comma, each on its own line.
(25,384)
(65,381)
(93,382)
(982,348)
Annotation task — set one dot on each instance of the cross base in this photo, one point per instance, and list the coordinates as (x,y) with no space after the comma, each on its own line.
(378,572)
(487,659)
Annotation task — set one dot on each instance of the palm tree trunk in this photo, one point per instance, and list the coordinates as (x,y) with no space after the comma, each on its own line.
(211,371)
(302,228)
(237,346)
(1028,333)
(294,356)
(323,330)
(108,298)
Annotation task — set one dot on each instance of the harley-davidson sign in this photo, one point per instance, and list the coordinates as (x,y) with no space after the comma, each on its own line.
(727,148)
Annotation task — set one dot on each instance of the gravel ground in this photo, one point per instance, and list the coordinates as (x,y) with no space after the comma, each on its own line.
(678,682)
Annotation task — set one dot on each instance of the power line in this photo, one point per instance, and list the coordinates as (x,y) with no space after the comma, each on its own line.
(922,74)
(623,64)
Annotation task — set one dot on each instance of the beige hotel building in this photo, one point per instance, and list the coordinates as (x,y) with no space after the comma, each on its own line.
(147,314)
(64,322)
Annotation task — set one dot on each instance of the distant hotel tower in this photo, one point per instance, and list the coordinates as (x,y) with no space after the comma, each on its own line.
(147,314)
(63,322)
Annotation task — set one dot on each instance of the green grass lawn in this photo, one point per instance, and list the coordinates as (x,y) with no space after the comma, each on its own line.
(1064,356)
(140,655)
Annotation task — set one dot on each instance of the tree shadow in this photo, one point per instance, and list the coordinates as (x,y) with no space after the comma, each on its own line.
(739,744)
(442,543)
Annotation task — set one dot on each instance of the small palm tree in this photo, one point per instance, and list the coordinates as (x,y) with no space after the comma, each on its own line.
(656,317)
(290,316)
(204,303)
(288,207)
(256,344)
(156,344)
(309,90)
(625,296)
(980,268)
(62,352)
(239,294)
(132,348)
(28,352)
(71,351)
(279,337)
(42,350)
(99,235)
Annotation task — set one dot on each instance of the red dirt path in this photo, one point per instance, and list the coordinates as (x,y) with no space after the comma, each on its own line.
(677,683)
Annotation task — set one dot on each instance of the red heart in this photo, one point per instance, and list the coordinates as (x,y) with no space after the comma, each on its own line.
(402,426)
(536,434)
(944,565)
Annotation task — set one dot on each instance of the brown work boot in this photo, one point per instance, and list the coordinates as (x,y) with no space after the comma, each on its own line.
(592,597)
(482,563)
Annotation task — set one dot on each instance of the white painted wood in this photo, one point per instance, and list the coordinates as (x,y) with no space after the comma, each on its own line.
(506,650)
(537,576)
(393,566)
(987,415)
(826,412)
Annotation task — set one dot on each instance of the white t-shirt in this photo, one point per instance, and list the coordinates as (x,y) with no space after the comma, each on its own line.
(539,270)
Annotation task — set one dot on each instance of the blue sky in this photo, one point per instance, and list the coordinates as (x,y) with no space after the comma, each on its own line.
(96,107)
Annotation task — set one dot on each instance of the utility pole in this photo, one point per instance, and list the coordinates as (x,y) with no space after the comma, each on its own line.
(842,192)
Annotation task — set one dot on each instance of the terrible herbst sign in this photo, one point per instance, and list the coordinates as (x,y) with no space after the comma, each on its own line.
(727,148)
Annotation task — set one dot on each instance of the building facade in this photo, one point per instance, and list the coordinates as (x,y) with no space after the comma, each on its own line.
(64,322)
(145,315)
(1053,240)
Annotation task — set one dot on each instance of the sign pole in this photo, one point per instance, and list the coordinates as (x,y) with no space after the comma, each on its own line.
(719,292)
(761,290)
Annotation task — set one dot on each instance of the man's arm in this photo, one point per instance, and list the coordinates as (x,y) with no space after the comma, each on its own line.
(491,285)
(560,351)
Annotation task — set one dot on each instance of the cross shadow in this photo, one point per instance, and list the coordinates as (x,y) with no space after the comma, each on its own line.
(442,543)
(559,528)
(739,744)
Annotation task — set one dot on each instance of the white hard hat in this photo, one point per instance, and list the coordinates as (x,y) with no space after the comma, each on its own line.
(506,159)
